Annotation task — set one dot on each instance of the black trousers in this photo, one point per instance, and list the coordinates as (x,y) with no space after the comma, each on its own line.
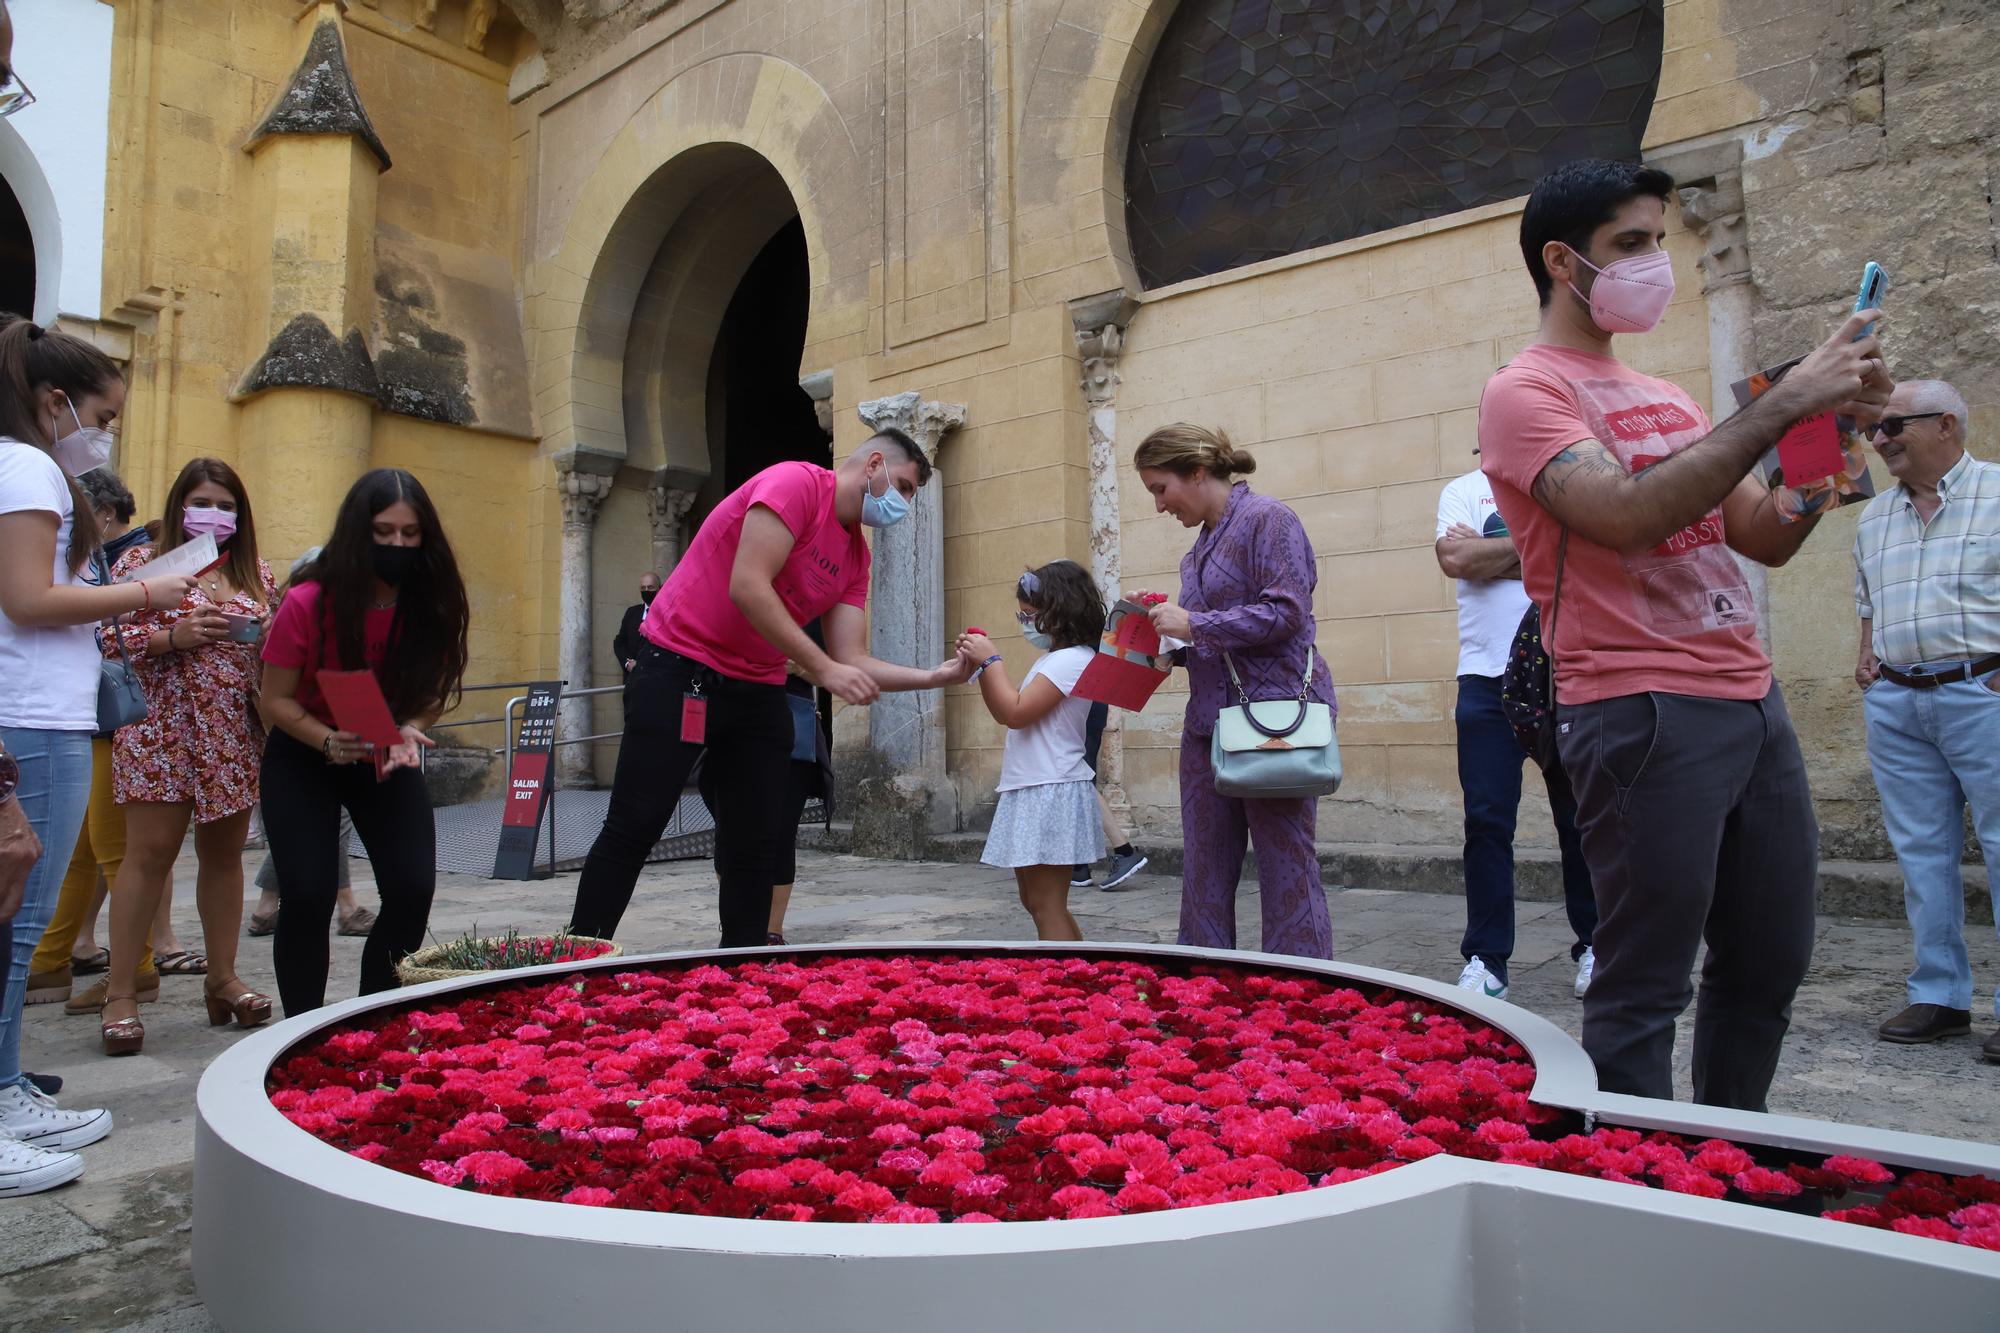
(749,757)
(1698,824)
(303,796)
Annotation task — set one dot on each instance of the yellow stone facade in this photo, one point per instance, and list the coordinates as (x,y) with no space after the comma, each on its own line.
(583,195)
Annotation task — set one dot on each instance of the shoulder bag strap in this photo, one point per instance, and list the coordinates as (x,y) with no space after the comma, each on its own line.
(1555,603)
(104,580)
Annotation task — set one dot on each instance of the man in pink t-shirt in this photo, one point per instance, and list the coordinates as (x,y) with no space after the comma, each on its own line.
(782,550)
(1692,801)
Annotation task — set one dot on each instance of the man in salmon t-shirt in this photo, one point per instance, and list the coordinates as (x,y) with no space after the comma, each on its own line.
(1691,793)
(782,550)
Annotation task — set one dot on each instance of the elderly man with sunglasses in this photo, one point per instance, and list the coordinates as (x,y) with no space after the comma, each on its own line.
(1927,586)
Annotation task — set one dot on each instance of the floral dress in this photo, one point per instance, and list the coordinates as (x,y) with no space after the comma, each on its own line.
(201,740)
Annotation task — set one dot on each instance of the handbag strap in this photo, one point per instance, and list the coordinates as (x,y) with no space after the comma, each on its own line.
(104,573)
(1305,683)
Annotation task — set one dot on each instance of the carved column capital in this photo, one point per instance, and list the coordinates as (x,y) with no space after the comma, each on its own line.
(920,418)
(1099,325)
(582,493)
(1714,210)
(479,16)
(818,386)
(667,507)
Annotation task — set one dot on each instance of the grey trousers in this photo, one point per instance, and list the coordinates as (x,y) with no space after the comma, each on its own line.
(1697,824)
(267,878)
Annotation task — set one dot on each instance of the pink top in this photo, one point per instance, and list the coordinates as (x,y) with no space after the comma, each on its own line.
(1677,618)
(693,614)
(301,639)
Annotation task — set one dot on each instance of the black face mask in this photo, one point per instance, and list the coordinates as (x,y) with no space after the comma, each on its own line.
(646,595)
(393,564)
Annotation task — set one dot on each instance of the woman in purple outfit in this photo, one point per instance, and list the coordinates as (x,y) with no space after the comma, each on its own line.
(1246,590)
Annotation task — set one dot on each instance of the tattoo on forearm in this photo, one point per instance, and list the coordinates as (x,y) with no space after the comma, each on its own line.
(1576,461)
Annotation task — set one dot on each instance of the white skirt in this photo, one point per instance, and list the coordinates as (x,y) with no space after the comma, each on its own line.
(1055,824)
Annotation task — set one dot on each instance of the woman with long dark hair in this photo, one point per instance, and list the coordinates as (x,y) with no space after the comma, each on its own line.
(57,396)
(194,756)
(385,596)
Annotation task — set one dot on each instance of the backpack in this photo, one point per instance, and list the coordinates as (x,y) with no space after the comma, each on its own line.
(1528,685)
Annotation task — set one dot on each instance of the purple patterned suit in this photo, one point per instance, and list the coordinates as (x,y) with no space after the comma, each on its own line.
(1247,586)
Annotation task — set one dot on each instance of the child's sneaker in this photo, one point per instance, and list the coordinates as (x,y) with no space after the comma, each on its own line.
(1079,878)
(1123,867)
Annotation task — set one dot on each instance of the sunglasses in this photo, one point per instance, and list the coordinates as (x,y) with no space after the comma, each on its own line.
(14,94)
(1891,427)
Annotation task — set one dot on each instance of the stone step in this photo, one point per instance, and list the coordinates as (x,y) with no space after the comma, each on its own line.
(1868,889)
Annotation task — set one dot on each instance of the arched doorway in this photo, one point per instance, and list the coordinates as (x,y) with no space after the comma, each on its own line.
(17,255)
(710,258)
(757,414)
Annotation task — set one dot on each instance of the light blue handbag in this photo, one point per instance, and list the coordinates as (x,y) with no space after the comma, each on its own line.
(1275,747)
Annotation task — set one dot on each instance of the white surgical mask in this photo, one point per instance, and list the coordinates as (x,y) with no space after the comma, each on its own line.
(84,448)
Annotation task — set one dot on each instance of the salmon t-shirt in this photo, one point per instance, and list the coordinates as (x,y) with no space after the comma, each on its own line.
(693,615)
(1677,618)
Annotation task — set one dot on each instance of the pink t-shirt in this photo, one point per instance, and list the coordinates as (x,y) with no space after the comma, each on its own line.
(299,639)
(1677,618)
(693,614)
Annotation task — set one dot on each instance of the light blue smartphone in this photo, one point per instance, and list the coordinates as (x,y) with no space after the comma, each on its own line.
(1874,283)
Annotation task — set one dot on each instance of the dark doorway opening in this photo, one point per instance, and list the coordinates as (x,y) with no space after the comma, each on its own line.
(17,256)
(757,413)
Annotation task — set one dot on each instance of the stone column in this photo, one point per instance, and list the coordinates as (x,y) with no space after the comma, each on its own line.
(1711,198)
(906,623)
(583,481)
(1099,325)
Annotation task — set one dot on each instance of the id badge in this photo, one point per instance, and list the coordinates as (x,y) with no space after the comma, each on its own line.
(694,719)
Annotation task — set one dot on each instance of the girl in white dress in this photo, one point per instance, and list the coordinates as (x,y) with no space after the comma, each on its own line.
(1047,821)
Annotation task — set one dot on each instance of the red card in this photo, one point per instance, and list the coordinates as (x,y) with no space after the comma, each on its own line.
(694,719)
(1810,450)
(358,706)
(1129,665)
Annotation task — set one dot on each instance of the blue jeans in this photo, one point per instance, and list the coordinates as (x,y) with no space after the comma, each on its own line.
(54,793)
(1489,773)
(1933,751)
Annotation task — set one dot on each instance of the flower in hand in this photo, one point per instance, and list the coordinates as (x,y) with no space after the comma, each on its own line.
(974,647)
(1171,621)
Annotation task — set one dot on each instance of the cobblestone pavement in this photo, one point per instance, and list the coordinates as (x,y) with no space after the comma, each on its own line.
(111,1251)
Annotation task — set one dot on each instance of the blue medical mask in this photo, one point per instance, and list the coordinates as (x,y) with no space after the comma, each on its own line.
(884,510)
(1037,640)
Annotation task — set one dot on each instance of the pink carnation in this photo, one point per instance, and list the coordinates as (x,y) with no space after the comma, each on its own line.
(492,1168)
(1859,1170)
(591,1196)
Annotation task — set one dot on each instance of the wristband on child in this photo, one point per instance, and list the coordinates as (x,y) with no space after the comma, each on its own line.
(980,670)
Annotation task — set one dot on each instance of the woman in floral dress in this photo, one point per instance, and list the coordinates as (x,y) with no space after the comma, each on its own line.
(196,754)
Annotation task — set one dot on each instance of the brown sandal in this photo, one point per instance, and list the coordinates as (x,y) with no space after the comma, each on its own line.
(263,923)
(358,922)
(123,1036)
(236,1000)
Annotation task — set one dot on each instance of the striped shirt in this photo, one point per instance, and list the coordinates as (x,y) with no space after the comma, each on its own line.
(1932,589)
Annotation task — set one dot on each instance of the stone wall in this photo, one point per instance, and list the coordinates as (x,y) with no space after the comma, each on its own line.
(1878,138)
(206,241)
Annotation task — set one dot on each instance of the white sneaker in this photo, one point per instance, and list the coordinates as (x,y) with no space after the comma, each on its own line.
(1584,967)
(28,1170)
(1477,979)
(34,1119)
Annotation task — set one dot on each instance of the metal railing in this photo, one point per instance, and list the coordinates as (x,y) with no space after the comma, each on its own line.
(507,717)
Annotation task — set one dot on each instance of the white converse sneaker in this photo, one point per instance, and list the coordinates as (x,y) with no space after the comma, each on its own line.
(1478,980)
(34,1118)
(28,1170)
(1584,967)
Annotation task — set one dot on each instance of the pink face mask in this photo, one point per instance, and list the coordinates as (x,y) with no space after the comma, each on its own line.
(1630,295)
(217,523)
